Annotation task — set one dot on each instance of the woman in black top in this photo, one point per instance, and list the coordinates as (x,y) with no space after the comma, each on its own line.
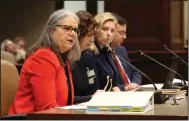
(84,77)
(106,67)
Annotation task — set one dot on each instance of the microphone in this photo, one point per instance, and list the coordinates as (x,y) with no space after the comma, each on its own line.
(142,53)
(166,48)
(159,98)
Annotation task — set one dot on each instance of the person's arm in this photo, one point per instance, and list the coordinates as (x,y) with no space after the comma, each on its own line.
(86,98)
(136,76)
(43,74)
(121,87)
(131,86)
(81,99)
(116,89)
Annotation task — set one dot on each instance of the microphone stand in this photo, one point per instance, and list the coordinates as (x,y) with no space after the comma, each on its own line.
(159,97)
(142,53)
(166,48)
(185,87)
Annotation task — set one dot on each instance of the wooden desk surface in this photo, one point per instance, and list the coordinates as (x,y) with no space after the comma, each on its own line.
(161,111)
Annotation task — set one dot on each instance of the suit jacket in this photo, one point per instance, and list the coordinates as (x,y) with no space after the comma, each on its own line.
(43,84)
(106,67)
(133,74)
(85,77)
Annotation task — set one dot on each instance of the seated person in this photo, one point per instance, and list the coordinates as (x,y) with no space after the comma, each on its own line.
(84,75)
(46,79)
(9,46)
(20,42)
(106,68)
(130,74)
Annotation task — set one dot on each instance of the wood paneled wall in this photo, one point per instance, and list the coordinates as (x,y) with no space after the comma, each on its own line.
(156,72)
(150,22)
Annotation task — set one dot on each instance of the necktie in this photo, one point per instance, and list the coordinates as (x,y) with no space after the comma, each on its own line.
(121,70)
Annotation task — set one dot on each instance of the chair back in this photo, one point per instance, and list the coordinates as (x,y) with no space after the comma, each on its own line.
(9,85)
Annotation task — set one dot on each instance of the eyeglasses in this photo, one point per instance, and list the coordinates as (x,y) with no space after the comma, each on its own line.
(69,29)
(122,32)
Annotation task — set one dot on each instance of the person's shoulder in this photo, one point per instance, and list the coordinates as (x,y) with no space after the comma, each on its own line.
(89,56)
(121,47)
(44,52)
(42,60)
(89,53)
(43,56)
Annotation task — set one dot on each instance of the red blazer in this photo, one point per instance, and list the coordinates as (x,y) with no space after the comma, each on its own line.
(42,84)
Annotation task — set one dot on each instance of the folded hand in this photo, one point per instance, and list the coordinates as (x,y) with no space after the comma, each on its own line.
(131,86)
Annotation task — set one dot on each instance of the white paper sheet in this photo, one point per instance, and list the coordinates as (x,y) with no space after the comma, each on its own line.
(159,86)
(74,107)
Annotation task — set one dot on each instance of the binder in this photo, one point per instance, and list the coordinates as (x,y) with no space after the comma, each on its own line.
(132,102)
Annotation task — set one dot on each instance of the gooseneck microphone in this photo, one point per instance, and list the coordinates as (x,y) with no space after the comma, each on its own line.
(142,53)
(109,49)
(166,48)
(159,98)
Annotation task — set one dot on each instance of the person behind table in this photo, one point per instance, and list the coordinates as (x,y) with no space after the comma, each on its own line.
(84,75)
(107,73)
(46,79)
(120,35)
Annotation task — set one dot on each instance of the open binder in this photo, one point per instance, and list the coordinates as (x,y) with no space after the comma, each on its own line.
(139,102)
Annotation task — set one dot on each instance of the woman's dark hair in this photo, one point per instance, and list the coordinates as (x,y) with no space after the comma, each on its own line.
(18,38)
(87,22)
(120,20)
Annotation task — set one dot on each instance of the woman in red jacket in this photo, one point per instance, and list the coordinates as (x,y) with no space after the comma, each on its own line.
(45,79)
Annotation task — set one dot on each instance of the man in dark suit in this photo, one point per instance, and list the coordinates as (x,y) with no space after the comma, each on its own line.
(134,77)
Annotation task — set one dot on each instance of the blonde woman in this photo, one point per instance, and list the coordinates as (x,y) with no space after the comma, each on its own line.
(106,68)
(10,47)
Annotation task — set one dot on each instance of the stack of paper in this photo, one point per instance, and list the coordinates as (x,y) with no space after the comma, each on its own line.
(122,102)
(179,81)
(74,107)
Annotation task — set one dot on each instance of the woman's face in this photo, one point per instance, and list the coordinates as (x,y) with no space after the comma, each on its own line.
(105,33)
(64,36)
(87,40)
(11,47)
(21,44)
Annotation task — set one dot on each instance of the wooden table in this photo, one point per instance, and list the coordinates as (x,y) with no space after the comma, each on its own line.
(165,111)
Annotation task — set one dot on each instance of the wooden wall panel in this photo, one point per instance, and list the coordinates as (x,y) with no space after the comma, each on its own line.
(156,72)
(148,22)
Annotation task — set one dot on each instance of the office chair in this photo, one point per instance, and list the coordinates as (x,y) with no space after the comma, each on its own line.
(9,84)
